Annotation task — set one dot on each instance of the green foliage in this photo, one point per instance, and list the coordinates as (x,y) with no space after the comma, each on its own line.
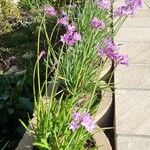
(22,35)
(7,9)
(52,131)
(74,85)
(79,64)
(29,4)
(25,5)
(15,103)
(4,26)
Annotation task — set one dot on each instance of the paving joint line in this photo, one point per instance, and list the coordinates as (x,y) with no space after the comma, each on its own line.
(135,135)
(133,89)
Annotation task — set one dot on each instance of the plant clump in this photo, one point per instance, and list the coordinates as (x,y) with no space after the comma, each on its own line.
(8,10)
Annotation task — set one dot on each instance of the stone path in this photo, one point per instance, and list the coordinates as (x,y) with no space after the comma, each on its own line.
(132,98)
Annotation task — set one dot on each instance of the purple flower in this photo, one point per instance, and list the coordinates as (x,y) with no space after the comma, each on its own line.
(76,116)
(71,37)
(50,10)
(135,3)
(71,28)
(123,59)
(73,125)
(81,119)
(97,23)
(129,8)
(87,122)
(64,20)
(104,4)
(111,51)
(110,44)
(125,10)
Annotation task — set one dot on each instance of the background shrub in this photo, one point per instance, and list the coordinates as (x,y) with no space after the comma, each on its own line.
(28,4)
(7,9)
(15,103)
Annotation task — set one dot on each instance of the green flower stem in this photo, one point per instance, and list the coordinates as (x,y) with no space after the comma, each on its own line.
(96,84)
(119,26)
(83,61)
(37,63)
(48,55)
(67,147)
(55,78)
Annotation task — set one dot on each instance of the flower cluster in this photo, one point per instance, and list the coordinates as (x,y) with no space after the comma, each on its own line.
(50,10)
(97,23)
(71,36)
(111,51)
(135,3)
(64,19)
(103,4)
(81,119)
(129,8)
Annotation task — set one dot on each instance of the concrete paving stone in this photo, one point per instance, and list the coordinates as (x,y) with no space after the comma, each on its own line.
(138,52)
(133,143)
(133,34)
(137,22)
(143,13)
(133,76)
(132,112)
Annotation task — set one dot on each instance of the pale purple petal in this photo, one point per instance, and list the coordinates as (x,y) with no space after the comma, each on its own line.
(87,122)
(123,59)
(73,125)
(124,11)
(71,28)
(76,116)
(77,36)
(135,3)
(50,10)
(111,51)
(83,119)
(64,19)
(97,23)
(104,4)
(70,38)
(129,8)
(101,51)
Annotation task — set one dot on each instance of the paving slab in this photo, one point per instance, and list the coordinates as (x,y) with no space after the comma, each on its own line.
(132,143)
(133,34)
(133,76)
(143,13)
(138,52)
(137,22)
(132,98)
(132,112)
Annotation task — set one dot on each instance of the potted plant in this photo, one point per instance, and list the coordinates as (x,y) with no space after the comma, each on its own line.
(64,118)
